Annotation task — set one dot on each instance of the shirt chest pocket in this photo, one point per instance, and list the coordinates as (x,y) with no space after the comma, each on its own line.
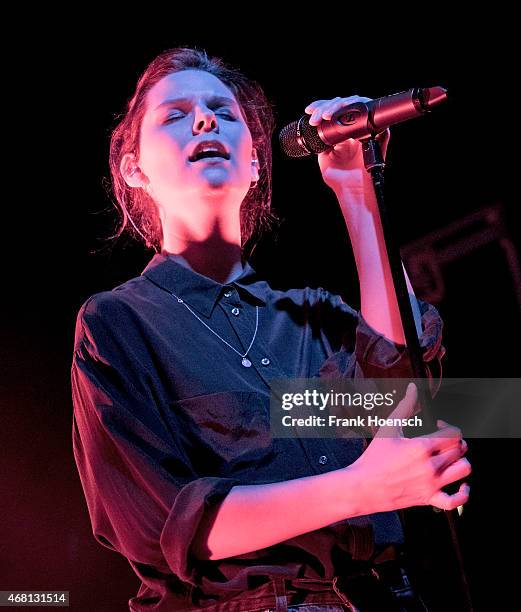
(225,433)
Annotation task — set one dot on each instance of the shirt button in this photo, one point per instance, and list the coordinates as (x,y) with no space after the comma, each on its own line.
(228,293)
(235,311)
(322,459)
(265,361)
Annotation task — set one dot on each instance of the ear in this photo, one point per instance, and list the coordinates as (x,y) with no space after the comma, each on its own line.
(254,165)
(131,172)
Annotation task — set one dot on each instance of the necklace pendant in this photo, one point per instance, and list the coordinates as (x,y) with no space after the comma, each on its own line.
(246,362)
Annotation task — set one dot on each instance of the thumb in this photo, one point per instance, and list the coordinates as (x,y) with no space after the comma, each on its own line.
(404,410)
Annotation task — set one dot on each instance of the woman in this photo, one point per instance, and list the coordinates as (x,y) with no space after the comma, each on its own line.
(171,372)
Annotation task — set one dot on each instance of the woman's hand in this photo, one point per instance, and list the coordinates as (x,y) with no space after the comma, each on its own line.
(397,472)
(343,165)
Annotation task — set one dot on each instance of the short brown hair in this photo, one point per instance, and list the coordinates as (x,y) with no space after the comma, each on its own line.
(136,206)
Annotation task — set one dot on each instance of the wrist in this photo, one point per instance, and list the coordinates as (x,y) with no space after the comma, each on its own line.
(357,492)
(356,178)
(355,197)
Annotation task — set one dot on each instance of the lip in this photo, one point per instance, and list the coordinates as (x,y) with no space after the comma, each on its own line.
(222,155)
(212,160)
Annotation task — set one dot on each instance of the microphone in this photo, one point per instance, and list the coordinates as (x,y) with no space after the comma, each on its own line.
(360,120)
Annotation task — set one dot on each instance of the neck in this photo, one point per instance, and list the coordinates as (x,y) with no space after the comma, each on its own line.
(211,248)
(216,263)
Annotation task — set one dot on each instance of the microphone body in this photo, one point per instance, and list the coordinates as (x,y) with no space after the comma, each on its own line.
(360,121)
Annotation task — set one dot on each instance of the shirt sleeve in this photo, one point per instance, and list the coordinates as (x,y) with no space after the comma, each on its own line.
(375,356)
(144,498)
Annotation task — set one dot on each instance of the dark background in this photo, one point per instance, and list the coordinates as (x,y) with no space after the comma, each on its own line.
(61,109)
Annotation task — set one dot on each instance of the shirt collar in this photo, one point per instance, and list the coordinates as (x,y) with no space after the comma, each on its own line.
(172,273)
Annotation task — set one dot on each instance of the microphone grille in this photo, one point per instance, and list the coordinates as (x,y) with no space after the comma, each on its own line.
(289,141)
(299,139)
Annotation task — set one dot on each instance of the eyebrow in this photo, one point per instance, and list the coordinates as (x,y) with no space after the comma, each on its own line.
(212,100)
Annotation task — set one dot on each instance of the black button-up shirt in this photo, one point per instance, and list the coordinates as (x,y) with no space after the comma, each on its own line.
(167,420)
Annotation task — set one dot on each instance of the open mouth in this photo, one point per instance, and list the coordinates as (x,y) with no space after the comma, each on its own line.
(209,150)
(209,155)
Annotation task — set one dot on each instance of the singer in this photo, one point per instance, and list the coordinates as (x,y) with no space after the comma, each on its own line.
(171,373)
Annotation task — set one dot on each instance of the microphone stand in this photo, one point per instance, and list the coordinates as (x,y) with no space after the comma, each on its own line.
(374,164)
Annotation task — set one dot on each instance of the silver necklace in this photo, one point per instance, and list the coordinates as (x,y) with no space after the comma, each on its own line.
(245,361)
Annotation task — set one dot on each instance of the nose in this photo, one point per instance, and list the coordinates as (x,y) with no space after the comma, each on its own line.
(204,120)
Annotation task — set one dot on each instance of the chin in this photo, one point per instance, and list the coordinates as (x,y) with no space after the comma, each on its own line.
(216,187)
(223,185)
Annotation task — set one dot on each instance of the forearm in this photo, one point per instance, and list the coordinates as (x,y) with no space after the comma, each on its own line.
(253,517)
(378,301)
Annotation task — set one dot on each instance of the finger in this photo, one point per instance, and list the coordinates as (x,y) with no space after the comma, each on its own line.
(449,502)
(332,108)
(442,439)
(451,431)
(404,409)
(324,109)
(456,471)
(446,458)
(342,103)
(461,446)
(317,114)
(313,105)
(355,98)
(441,424)
(339,103)
(316,107)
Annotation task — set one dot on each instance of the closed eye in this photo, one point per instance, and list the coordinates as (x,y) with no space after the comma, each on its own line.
(171,118)
(226,114)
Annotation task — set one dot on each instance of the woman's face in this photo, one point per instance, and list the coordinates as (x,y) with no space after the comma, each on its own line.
(194,143)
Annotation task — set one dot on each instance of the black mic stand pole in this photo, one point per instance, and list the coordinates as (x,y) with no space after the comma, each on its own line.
(374,164)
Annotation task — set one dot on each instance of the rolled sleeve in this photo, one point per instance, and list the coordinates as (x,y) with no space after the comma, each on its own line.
(145,501)
(184,519)
(375,356)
